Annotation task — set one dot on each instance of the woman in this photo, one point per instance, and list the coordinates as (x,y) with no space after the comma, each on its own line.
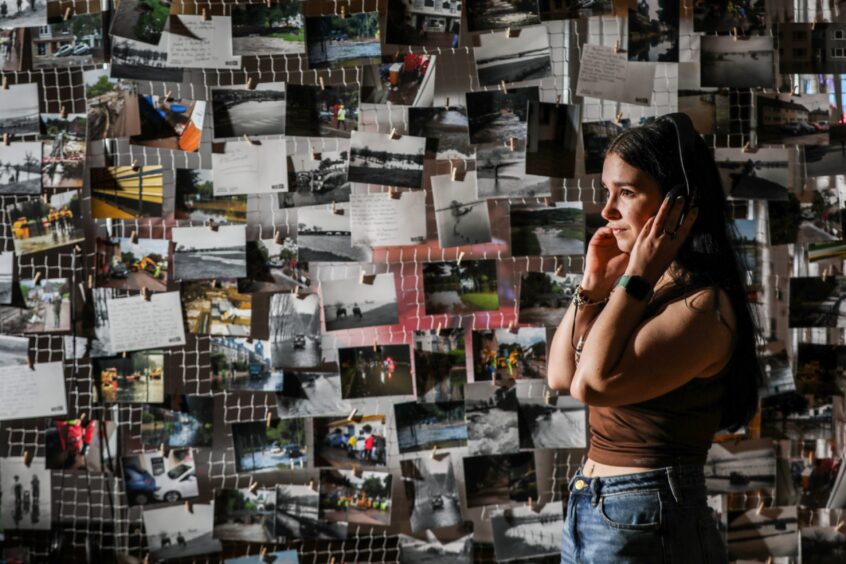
(663,371)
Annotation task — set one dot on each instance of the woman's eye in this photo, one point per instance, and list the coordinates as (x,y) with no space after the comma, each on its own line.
(626,193)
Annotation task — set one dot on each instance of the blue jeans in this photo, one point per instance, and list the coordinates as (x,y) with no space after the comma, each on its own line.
(657,516)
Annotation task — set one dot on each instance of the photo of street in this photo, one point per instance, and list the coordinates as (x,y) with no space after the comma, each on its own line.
(190,425)
(424,426)
(48,303)
(172,532)
(294,325)
(39,226)
(347,443)
(135,378)
(506,356)
(297,515)
(112,106)
(500,479)
(241,364)
(374,371)
(545,296)
(130,265)
(73,43)
(351,497)
(213,308)
(431,489)
(279,445)
(440,364)
(63,150)
(245,515)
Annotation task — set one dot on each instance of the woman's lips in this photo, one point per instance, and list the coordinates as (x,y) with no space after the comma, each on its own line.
(616,231)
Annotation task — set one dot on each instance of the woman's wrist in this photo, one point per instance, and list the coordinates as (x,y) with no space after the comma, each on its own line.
(596,289)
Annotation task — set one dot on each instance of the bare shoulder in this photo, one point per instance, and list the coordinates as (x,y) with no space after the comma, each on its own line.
(706,301)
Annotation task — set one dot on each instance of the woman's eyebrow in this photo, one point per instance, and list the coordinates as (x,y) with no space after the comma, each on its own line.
(623,183)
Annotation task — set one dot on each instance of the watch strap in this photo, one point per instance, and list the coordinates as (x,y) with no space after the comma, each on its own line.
(636,286)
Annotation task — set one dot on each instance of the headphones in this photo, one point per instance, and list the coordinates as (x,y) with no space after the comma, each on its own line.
(686,136)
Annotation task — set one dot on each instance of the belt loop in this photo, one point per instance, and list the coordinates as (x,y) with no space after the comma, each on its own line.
(674,483)
(594,488)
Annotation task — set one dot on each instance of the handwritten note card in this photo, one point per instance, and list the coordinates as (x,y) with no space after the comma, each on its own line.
(26,393)
(378,220)
(195,43)
(606,74)
(248,168)
(136,324)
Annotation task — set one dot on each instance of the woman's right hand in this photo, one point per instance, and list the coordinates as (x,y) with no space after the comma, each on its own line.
(604,264)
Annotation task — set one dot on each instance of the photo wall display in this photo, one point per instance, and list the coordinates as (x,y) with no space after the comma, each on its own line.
(288,273)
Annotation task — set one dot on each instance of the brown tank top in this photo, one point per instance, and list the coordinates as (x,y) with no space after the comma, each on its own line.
(676,428)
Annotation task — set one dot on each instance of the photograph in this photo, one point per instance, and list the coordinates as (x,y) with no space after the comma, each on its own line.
(812,47)
(486,15)
(128,265)
(653,31)
(63,150)
(362,497)
(19,109)
(172,532)
(189,425)
(123,192)
(432,492)
(525,532)
(201,252)
(492,420)
(312,111)
(789,415)
(558,423)
(794,120)
(170,123)
(350,442)
(273,267)
(460,287)
(7,271)
(501,58)
(112,106)
(14,351)
(338,42)
(375,371)
(399,80)
(298,517)
(813,478)
(137,60)
(507,355)
(551,139)
(545,231)
(308,393)
(20,168)
(39,226)
(746,17)
(295,336)
(13,44)
(155,477)
(81,444)
(351,304)
(552,10)
(817,302)
(376,158)
(278,557)
(411,23)
(239,111)
(196,200)
(708,108)
(49,305)
(596,136)
(500,479)
(324,234)
(430,549)
(137,377)
(24,13)
(755,534)
(141,20)
(822,543)
(727,62)
(424,426)
(75,42)
(440,364)
(740,466)
(217,308)
(101,345)
(461,216)
(316,179)
(25,502)
(238,363)
(273,28)
(279,445)
(825,160)
(245,515)
(446,128)
(762,175)
(545,297)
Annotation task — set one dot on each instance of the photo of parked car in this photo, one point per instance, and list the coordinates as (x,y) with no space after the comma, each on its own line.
(152,477)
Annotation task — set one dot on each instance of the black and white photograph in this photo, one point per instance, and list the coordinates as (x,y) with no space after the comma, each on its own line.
(19,109)
(440,364)
(794,120)
(141,20)
(324,234)
(137,377)
(362,497)
(295,330)
(810,47)
(351,304)
(461,216)
(377,158)
(817,302)
(316,179)
(297,516)
(492,419)
(446,130)
(112,106)
(552,10)
(545,297)
(38,225)
(156,477)
(500,479)
(727,62)
(279,445)
(822,543)
(761,534)
(375,371)
(509,354)
(500,58)
(596,136)
(432,492)
(25,13)
(495,116)
(430,549)
(653,31)
(460,287)
(7,271)
(137,60)
(273,28)
(554,423)
(486,15)
(746,17)
(402,81)
(347,442)
(188,424)
(174,532)
(551,139)
(14,351)
(27,491)
(245,515)
(740,466)
(310,393)
(12,46)
(525,532)
(20,168)
(545,231)
(338,42)
(77,41)
(63,150)
(238,363)
(708,108)
(410,23)
(762,175)
(424,426)
(314,111)
(825,160)
(239,111)
(202,253)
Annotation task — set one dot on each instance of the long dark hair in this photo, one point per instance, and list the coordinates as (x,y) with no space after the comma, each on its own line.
(708,256)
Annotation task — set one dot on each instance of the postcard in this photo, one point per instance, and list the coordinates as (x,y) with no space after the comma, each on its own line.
(195,42)
(26,393)
(250,168)
(136,323)
(381,220)
(606,74)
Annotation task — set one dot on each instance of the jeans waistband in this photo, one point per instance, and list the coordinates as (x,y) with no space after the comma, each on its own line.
(672,478)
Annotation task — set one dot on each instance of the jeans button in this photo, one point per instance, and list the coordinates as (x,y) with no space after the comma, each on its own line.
(580,484)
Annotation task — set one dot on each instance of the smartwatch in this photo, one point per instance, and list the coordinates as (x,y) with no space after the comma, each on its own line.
(636,286)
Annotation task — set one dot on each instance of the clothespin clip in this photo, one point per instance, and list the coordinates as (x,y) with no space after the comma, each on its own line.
(90,281)
(269,3)
(311,484)
(394,134)
(135,165)
(268,418)
(213,226)
(512,33)
(529,502)
(315,156)
(343,10)
(460,256)
(618,48)
(336,210)
(394,193)
(163,450)
(147,558)
(168,96)
(351,416)
(840,524)
(618,118)
(68,12)
(322,86)
(557,100)
(83,417)
(145,293)
(36,278)
(366,279)
(357,470)
(550,397)
(438,330)
(250,84)
(559,269)
(189,507)
(5,82)
(250,141)
(747,148)
(457,175)
(375,346)
(297,293)
(503,87)
(253,486)
(124,354)
(205,15)
(434,451)
(512,328)
(277,237)
(511,143)
(134,237)
(77,249)
(214,283)
(446,103)
(63,113)
(27,458)
(760,508)
(6,138)
(734,32)
(30,361)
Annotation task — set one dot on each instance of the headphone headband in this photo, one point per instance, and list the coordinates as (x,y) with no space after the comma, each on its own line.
(686,136)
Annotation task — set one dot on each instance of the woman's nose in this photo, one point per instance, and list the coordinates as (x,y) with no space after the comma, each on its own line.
(609,211)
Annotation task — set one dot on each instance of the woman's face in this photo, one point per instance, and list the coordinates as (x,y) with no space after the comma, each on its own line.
(633,197)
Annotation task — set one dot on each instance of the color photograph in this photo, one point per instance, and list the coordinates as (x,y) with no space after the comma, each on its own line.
(280,445)
(273,28)
(135,378)
(333,41)
(468,286)
(362,497)
(374,371)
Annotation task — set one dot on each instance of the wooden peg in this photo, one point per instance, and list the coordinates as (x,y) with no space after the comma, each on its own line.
(147,558)
(375,346)
(840,524)
(268,418)
(263,553)
(6,138)
(336,210)
(446,103)
(145,293)
(134,237)
(124,354)
(135,165)
(250,141)
(253,486)
(168,96)
(512,327)
(434,451)
(63,112)
(366,279)
(27,458)
(315,156)
(36,278)
(760,508)
(512,33)
(77,249)
(205,15)
(394,133)
(395,194)
(30,360)
(311,485)
(559,269)
(189,507)
(351,416)
(343,10)
(213,226)
(457,175)
(511,143)
(529,502)
(503,87)
(90,281)
(438,330)
(550,397)
(460,256)
(617,48)
(557,100)
(322,86)
(163,450)
(68,12)
(618,118)
(269,3)
(5,82)
(250,84)
(734,32)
